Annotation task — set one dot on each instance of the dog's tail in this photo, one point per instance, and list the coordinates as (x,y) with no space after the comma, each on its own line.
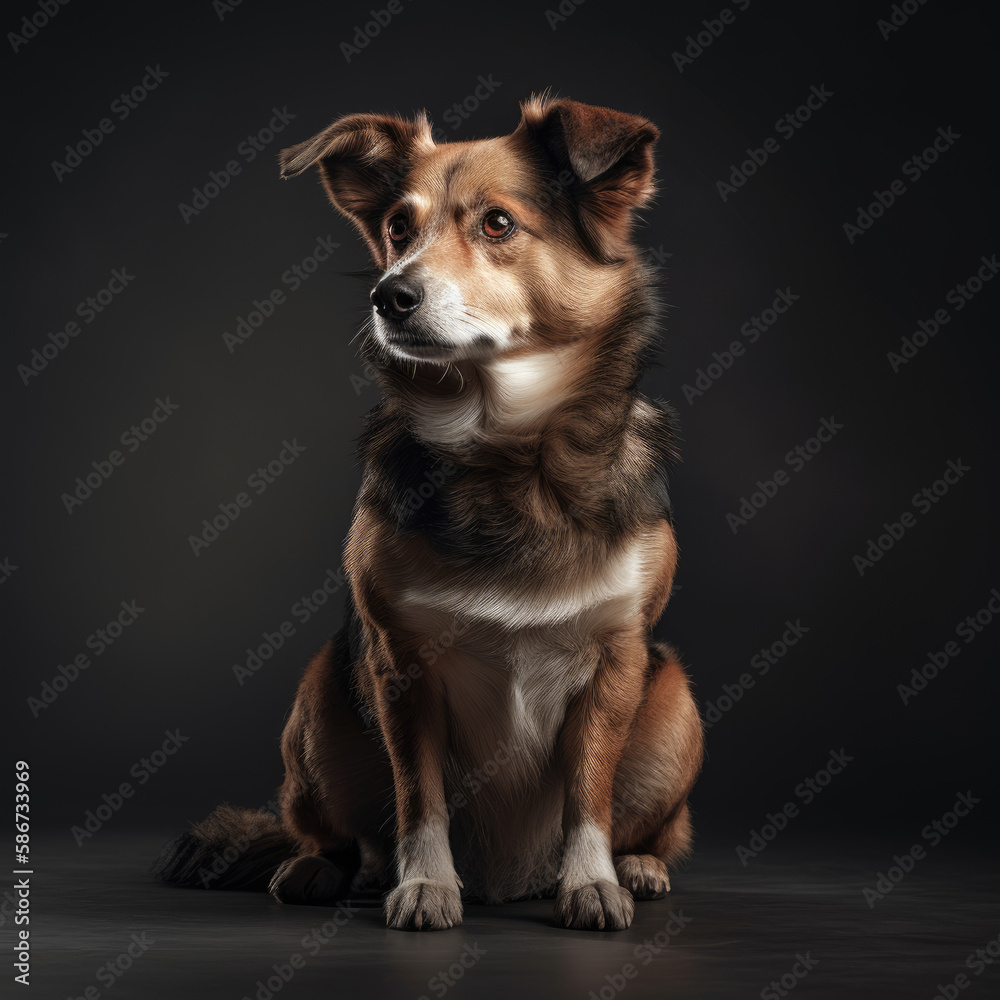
(231,849)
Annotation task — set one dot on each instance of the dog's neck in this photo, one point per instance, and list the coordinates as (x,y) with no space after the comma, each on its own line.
(474,411)
(482,406)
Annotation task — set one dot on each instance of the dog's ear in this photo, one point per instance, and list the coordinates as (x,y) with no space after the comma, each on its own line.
(362,160)
(602,158)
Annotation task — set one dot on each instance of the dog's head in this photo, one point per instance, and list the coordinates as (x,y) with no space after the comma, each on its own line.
(491,247)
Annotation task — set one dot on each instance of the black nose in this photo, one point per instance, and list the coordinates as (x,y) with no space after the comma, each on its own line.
(395,297)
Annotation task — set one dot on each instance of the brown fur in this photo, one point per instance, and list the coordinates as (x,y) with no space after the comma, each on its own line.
(508,613)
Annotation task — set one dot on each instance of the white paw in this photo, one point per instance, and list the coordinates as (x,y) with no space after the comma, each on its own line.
(423,905)
(600,906)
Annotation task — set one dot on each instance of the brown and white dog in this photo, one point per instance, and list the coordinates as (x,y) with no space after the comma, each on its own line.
(493,715)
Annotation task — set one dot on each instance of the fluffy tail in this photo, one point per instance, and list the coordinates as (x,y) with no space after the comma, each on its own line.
(231,849)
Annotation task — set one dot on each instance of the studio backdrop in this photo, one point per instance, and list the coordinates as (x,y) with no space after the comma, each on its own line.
(182,396)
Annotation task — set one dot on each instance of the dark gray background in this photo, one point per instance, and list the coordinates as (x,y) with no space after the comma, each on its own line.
(173,669)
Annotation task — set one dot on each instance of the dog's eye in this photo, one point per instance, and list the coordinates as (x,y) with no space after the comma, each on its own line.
(399,228)
(497,224)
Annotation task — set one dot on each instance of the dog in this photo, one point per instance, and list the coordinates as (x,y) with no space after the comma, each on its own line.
(493,716)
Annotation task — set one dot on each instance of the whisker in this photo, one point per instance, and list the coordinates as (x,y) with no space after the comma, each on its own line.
(365,273)
(364,328)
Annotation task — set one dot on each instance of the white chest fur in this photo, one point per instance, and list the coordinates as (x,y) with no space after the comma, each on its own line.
(524,653)
(481,596)
(507,696)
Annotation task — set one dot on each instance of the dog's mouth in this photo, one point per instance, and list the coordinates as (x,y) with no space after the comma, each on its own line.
(413,343)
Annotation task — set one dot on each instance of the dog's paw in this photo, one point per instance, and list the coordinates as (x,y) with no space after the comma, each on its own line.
(423,905)
(310,880)
(600,906)
(644,875)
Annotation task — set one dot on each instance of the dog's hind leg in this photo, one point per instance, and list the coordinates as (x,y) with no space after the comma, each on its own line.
(337,797)
(651,826)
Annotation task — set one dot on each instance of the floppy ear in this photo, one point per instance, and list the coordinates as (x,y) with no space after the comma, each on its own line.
(606,155)
(362,160)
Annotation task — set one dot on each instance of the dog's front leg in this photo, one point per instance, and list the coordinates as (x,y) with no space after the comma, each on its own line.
(593,736)
(426,895)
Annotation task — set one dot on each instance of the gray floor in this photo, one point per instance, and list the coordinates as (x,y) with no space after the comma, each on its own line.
(743,928)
